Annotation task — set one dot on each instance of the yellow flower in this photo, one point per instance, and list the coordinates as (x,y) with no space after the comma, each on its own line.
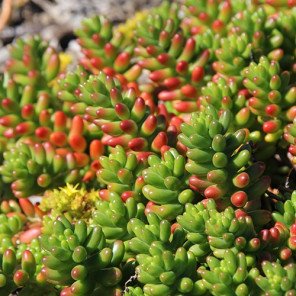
(127,28)
(65,60)
(79,203)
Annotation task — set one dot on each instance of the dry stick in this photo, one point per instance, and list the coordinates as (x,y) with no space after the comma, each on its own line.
(5,13)
(129,281)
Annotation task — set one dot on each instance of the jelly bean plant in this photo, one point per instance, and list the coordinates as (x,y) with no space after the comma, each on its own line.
(163,162)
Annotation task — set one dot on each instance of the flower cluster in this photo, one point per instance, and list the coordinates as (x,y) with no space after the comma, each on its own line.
(164,164)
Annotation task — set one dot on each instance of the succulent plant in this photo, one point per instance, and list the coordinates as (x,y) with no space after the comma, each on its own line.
(20,249)
(106,50)
(33,62)
(219,161)
(273,97)
(163,272)
(290,137)
(121,172)
(157,234)
(31,115)
(207,14)
(280,29)
(228,276)
(179,135)
(123,117)
(77,254)
(211,231)
(26,112)
(166,184)
(16,274)
(225,94)
(134,291)
(233,55)
(128,28)
(285,228)
(30,168)
(175,65)
(10,226)
(26,97)
(164,265)
(254,33)
(250,21)
(114,214)
(21,224)
(278,3)
(67,90)
(286,211)
(277,279)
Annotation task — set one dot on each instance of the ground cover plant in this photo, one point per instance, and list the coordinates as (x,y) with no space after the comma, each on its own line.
(165,161)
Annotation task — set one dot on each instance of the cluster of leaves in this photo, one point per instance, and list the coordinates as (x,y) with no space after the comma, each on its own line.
(178,130)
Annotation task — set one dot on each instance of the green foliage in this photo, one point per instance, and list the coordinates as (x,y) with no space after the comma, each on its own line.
(180,133)
(121,173)
(113,215)
(166,184)
(220,161)
(76,254)
(31,168)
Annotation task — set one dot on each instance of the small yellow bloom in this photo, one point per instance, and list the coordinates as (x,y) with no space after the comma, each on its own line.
(128,28)
(76,201)
(65,60)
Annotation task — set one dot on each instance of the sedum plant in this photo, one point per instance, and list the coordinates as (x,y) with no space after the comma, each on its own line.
(74,252)
(121,172)
(220,161)
(106,50)
(166,185)
(30,167)
(164,163)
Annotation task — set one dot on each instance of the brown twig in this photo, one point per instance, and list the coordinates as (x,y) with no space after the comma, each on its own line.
(5,13)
